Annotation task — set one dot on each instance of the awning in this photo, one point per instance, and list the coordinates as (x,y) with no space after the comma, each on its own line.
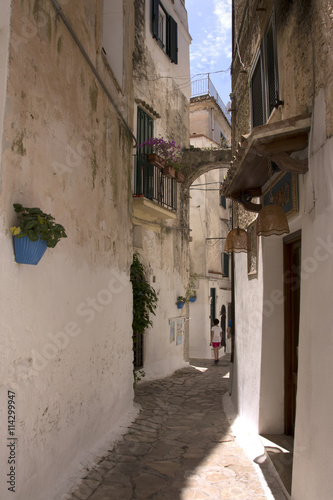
(249,170)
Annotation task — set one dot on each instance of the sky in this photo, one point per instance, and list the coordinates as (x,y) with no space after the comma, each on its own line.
(210,51)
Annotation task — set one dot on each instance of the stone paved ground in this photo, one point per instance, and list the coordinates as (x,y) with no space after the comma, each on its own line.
(180,447)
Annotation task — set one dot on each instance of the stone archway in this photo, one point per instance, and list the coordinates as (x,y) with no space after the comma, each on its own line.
(199,161)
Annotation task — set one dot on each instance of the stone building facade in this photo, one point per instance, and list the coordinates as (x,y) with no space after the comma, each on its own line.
(74,76)
(282,145)
(210,219)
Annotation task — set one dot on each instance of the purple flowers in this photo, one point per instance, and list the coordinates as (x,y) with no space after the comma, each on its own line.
(167,150)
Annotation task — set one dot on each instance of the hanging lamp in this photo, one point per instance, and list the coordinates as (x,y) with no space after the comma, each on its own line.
(271,218)
(237,241)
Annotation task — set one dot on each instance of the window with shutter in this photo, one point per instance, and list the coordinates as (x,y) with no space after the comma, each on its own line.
(164,29)
(264,87)
(225,264)
(223,202)
(271,68)
(257,95)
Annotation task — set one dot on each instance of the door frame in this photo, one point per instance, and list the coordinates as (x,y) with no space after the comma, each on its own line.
(289,345)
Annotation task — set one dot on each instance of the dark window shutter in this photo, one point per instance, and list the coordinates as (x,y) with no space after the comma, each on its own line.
(271,70)
(258,113)
(225,269)
(172,40)
(154,18)
(223,202)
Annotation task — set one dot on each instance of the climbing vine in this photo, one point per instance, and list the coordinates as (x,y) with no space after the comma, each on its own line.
(144,297)
(144,304)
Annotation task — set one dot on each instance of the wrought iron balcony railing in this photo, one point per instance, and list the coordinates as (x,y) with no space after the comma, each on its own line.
(205,87)
(150,182)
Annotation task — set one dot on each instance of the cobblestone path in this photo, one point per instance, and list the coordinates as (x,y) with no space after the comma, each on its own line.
(180,447)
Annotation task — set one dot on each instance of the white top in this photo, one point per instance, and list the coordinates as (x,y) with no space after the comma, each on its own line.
(217,330)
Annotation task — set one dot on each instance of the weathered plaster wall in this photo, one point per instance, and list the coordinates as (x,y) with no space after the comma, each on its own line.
(205,257)
(4,53)
(206,118)
(164,249)
(66,349)
(304,37)
(313,439)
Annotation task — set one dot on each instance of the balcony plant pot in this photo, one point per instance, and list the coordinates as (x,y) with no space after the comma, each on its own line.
(169,172)
(193,299)
(28,252)
(179,177)
(180,305)
(156,160)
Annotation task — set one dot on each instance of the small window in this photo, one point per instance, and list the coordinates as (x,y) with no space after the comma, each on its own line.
(225,264)
(223,202)
(164,29)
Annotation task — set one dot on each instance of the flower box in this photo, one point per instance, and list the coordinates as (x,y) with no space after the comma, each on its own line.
(169,172)
(156,160)
(179,177)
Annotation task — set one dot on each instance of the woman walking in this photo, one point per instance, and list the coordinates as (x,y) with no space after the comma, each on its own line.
(215,338)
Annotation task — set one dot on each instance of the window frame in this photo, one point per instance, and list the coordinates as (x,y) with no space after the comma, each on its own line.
(168,41)
(265,57)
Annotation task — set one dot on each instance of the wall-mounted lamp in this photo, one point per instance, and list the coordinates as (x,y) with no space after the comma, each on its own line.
(237,241)
(271,218)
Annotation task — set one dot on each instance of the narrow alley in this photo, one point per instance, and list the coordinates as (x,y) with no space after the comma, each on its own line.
(181,446)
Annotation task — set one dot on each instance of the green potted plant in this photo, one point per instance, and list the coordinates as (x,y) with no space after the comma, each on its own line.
(165,154)
(33,233)
(191,293)
(181,301)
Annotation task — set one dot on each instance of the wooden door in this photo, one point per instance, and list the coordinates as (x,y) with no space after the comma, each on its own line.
(292,289)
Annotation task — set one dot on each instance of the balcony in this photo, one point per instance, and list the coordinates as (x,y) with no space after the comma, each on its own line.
(205,87)
(155,195)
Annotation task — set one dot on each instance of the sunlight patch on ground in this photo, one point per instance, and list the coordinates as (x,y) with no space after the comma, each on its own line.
(199,368)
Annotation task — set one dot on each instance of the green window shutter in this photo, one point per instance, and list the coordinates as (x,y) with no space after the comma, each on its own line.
(271,66)
(154,19)
(223,202)
(257,94)
(225,265)
(172,40)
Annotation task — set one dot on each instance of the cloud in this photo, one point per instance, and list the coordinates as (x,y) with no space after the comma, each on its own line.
(212,40)
(222,11)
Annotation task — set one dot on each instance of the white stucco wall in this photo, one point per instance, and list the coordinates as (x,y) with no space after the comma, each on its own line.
(179,73)
(163,356)
(313,439)
(248,341)
(4,53)
(271,406)
(66,336)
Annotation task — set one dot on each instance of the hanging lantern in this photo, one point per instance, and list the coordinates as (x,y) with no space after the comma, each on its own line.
(272,220)
(237,241)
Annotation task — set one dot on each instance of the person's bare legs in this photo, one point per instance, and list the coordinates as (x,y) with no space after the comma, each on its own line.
(216,353)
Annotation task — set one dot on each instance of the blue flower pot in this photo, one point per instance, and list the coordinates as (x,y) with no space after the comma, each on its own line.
(193,299)
(29,252)
(180,305)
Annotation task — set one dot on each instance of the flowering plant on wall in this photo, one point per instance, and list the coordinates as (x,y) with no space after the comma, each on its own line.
(167,150)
